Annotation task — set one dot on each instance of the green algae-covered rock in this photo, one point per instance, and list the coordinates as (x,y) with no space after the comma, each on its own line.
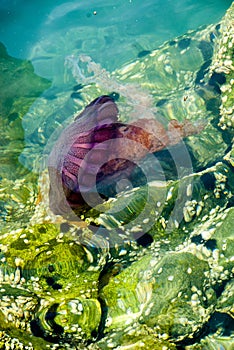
(162,297)
(226,301)
(17,201)
(59,272)
(139,337)
(19,88)
(222,65)
(180,292)
(215,342)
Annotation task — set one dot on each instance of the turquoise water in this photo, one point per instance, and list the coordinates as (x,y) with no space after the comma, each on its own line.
(116,34)
(151,268)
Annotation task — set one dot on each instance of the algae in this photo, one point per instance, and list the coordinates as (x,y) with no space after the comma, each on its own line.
(20,87)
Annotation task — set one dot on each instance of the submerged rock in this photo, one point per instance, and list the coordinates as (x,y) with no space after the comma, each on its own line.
(222,65)
(20,87)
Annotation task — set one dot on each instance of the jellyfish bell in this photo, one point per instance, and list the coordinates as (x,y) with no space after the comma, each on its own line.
(97,153)
(96,124)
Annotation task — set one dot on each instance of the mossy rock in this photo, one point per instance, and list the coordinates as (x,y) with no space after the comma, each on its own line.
(18,81)
(20,86)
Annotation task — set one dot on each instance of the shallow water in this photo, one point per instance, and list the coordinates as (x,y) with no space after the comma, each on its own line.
(162,252)
(111,33)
